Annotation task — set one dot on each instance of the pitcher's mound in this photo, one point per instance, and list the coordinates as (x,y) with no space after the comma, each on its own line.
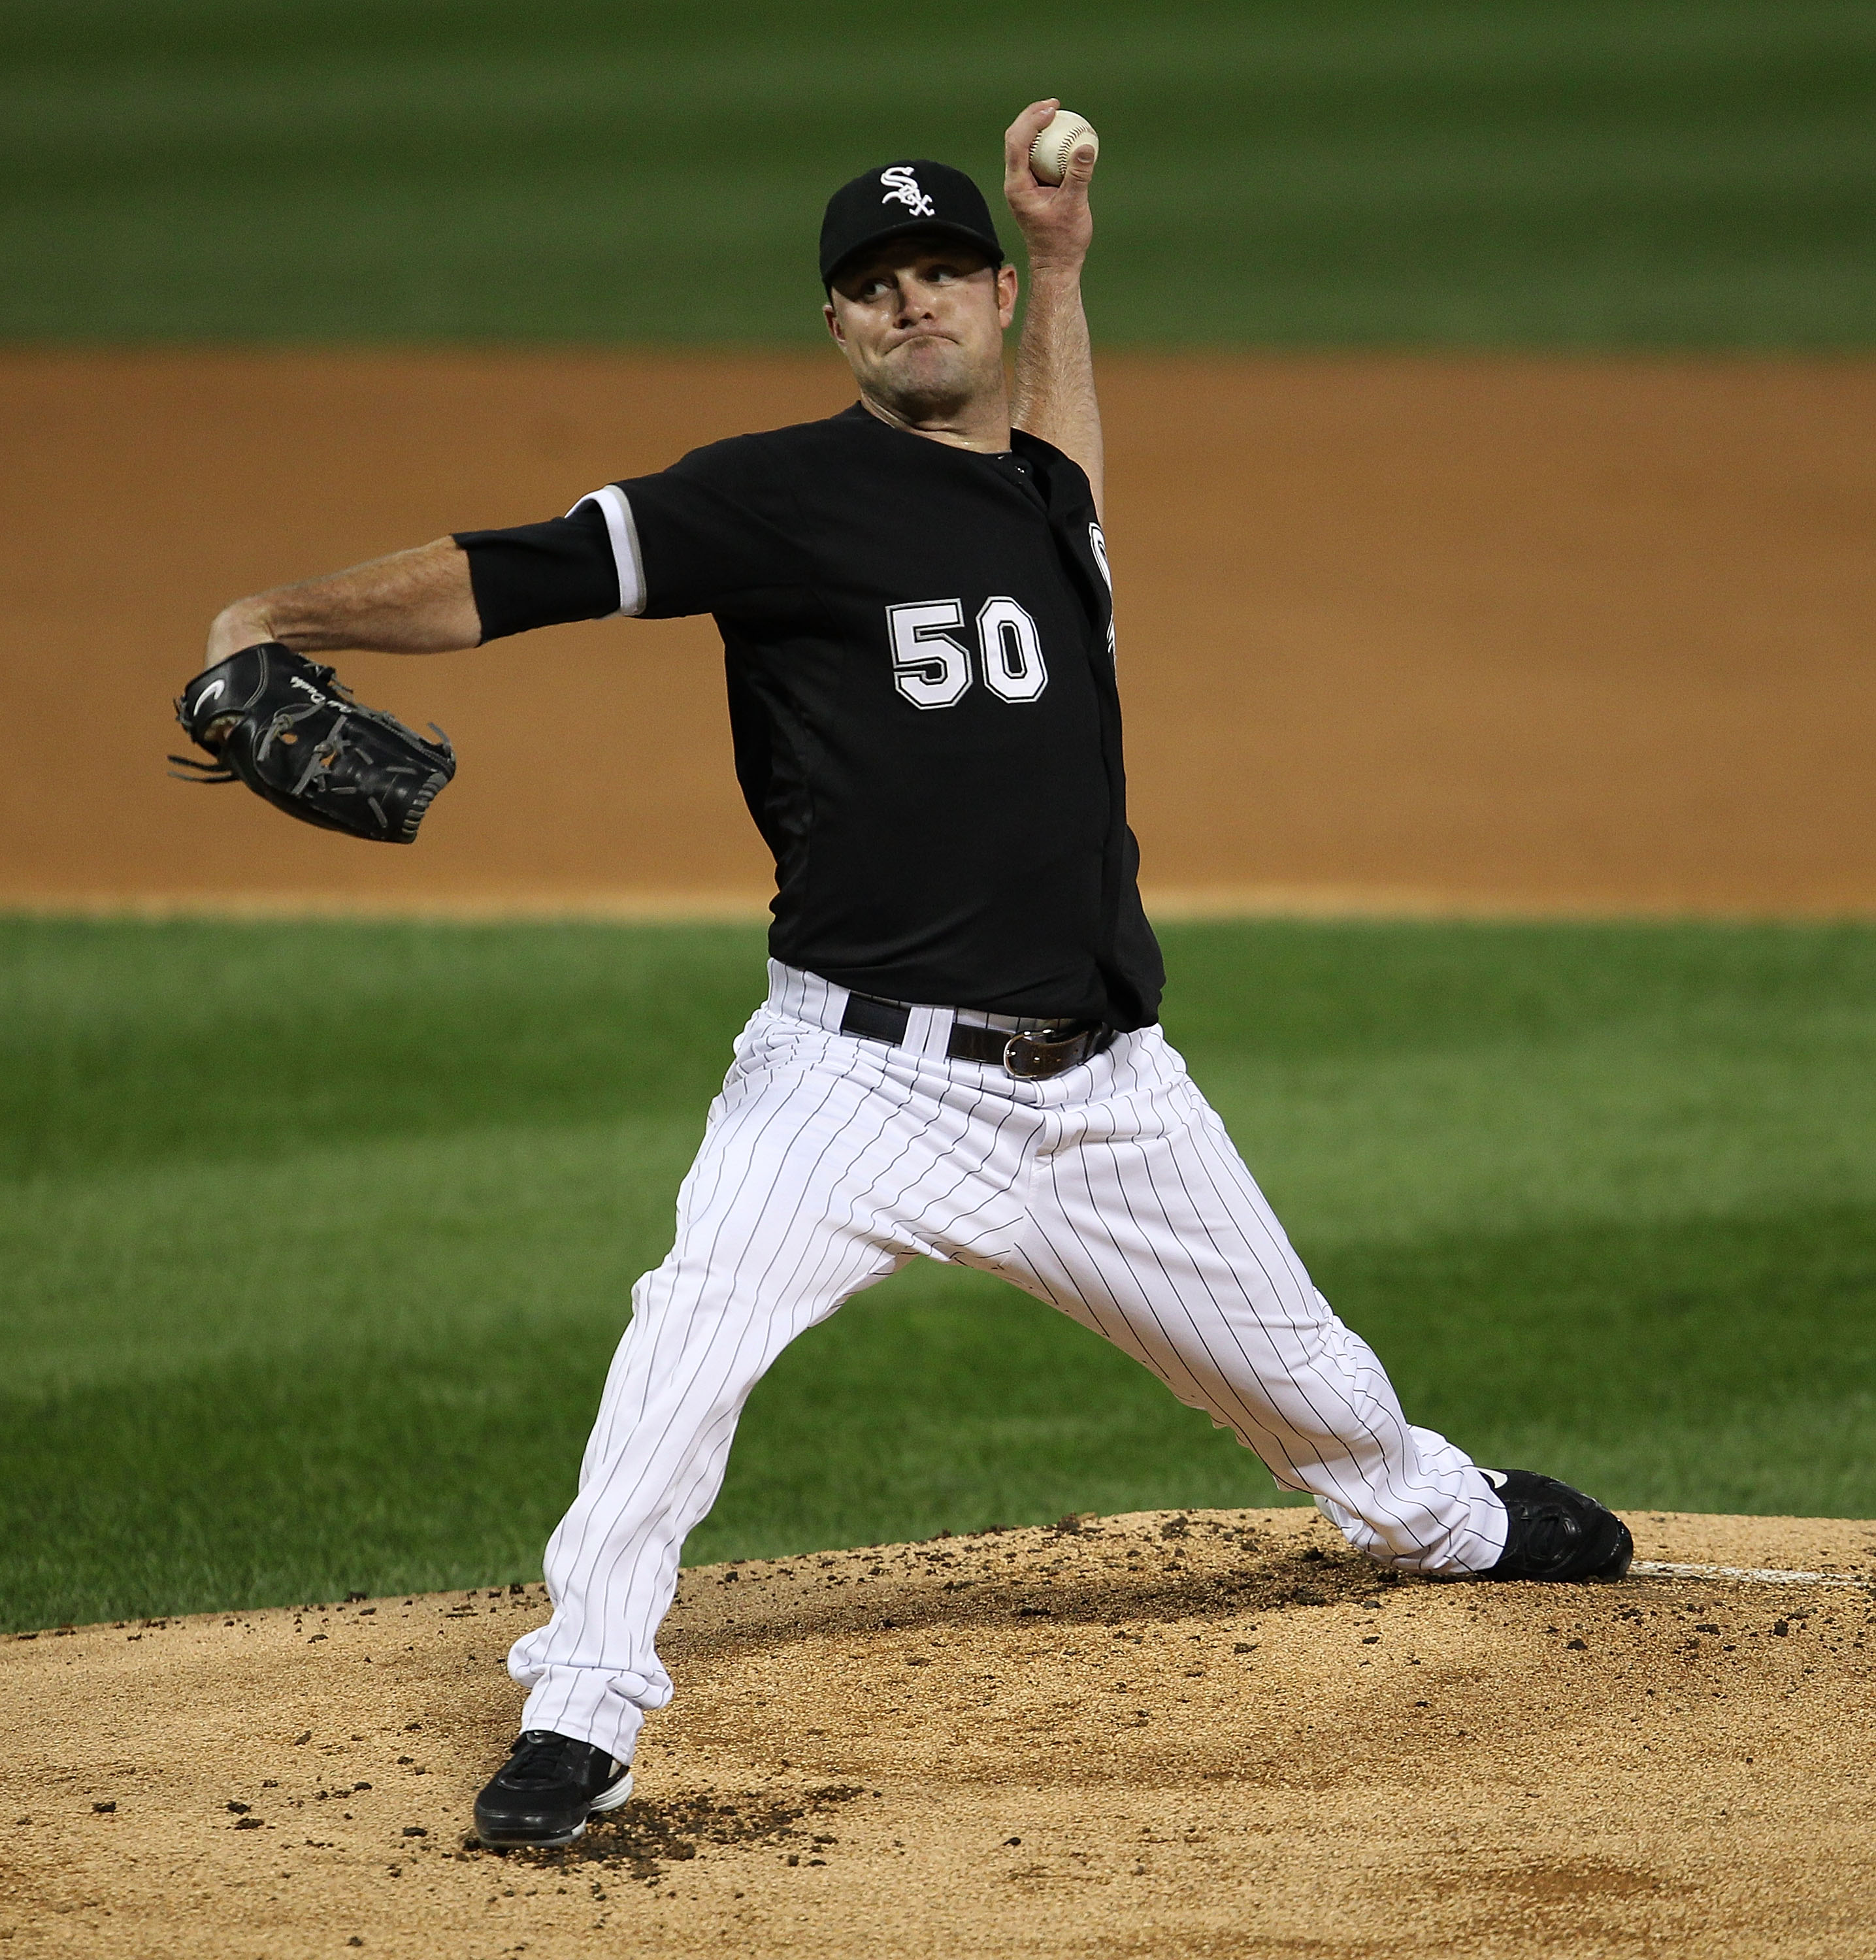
(1213,1732)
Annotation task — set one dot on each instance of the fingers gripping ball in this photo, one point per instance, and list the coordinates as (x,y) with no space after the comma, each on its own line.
(1063,135)
(290,729)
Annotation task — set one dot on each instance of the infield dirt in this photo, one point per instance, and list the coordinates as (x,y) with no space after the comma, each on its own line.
(1214,1733)
(1496,634)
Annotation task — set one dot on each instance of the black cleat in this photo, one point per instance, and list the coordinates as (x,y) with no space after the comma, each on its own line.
(1556,1533)
(548,1788)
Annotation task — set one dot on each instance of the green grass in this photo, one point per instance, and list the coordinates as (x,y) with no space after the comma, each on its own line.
(1573,172)
(314,1240)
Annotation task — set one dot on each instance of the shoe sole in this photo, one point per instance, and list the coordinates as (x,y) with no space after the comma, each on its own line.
(609,1799)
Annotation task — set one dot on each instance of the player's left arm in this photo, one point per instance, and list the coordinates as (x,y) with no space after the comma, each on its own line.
(419,601)
(1055,363)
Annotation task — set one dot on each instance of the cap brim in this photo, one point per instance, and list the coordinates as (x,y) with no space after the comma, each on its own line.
(990,249)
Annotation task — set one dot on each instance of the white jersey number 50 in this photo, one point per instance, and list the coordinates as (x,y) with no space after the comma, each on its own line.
(932,670)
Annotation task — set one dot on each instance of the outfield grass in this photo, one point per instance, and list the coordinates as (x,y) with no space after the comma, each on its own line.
(1576,172)
(315,1240)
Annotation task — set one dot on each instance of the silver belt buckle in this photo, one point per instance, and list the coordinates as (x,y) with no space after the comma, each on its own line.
(1032,1057)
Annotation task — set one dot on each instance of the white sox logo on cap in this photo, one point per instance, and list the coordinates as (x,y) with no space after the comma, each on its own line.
(902,187)
(889,200)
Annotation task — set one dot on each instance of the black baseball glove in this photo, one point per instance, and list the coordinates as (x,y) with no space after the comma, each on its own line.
(290,729)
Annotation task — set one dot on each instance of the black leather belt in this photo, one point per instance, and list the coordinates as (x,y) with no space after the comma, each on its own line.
(1030,1057)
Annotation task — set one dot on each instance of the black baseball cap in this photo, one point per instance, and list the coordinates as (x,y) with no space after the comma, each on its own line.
(914,195)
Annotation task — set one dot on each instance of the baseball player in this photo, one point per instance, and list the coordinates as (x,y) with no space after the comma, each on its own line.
(960,1056)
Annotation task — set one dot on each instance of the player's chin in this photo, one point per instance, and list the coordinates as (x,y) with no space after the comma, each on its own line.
(929,370)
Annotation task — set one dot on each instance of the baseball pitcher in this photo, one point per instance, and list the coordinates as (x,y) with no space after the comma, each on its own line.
(959,1057)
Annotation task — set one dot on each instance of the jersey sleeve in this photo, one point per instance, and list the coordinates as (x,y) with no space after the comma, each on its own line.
(707,533)
(546,574)
(690,539)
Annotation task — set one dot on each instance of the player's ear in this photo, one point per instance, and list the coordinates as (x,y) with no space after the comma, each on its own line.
(1006,295)
(833,326)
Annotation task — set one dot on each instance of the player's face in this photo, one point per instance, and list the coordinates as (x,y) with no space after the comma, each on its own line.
(921,323)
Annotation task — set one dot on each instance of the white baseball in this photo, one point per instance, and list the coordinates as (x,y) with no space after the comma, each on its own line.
(1065,134)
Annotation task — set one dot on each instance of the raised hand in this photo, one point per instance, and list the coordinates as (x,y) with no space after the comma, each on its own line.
(1055,220)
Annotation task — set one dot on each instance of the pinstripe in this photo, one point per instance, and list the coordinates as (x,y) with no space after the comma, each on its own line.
(1325,1426)
(726,1212)
(1210,1156)
(815,1283)
(1315,1398)
(1111,1192)
(937,1200)
(1275,1287)
(766,1200)
(911,1134)
(648,1320)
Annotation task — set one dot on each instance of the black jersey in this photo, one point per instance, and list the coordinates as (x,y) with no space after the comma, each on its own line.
(919,648)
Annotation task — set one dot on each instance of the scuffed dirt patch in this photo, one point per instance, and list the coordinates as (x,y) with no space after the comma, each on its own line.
(643,1840)
(1165,1734)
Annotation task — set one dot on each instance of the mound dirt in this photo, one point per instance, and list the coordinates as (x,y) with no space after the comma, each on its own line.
(1211,1732)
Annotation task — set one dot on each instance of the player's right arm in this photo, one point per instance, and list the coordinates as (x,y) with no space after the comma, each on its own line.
(1054,395)
(414,602)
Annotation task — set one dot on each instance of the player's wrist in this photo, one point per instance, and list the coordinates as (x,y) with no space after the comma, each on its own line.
(235,626)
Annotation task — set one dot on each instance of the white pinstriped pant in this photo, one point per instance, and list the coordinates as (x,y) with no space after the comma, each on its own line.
(1111,1192)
